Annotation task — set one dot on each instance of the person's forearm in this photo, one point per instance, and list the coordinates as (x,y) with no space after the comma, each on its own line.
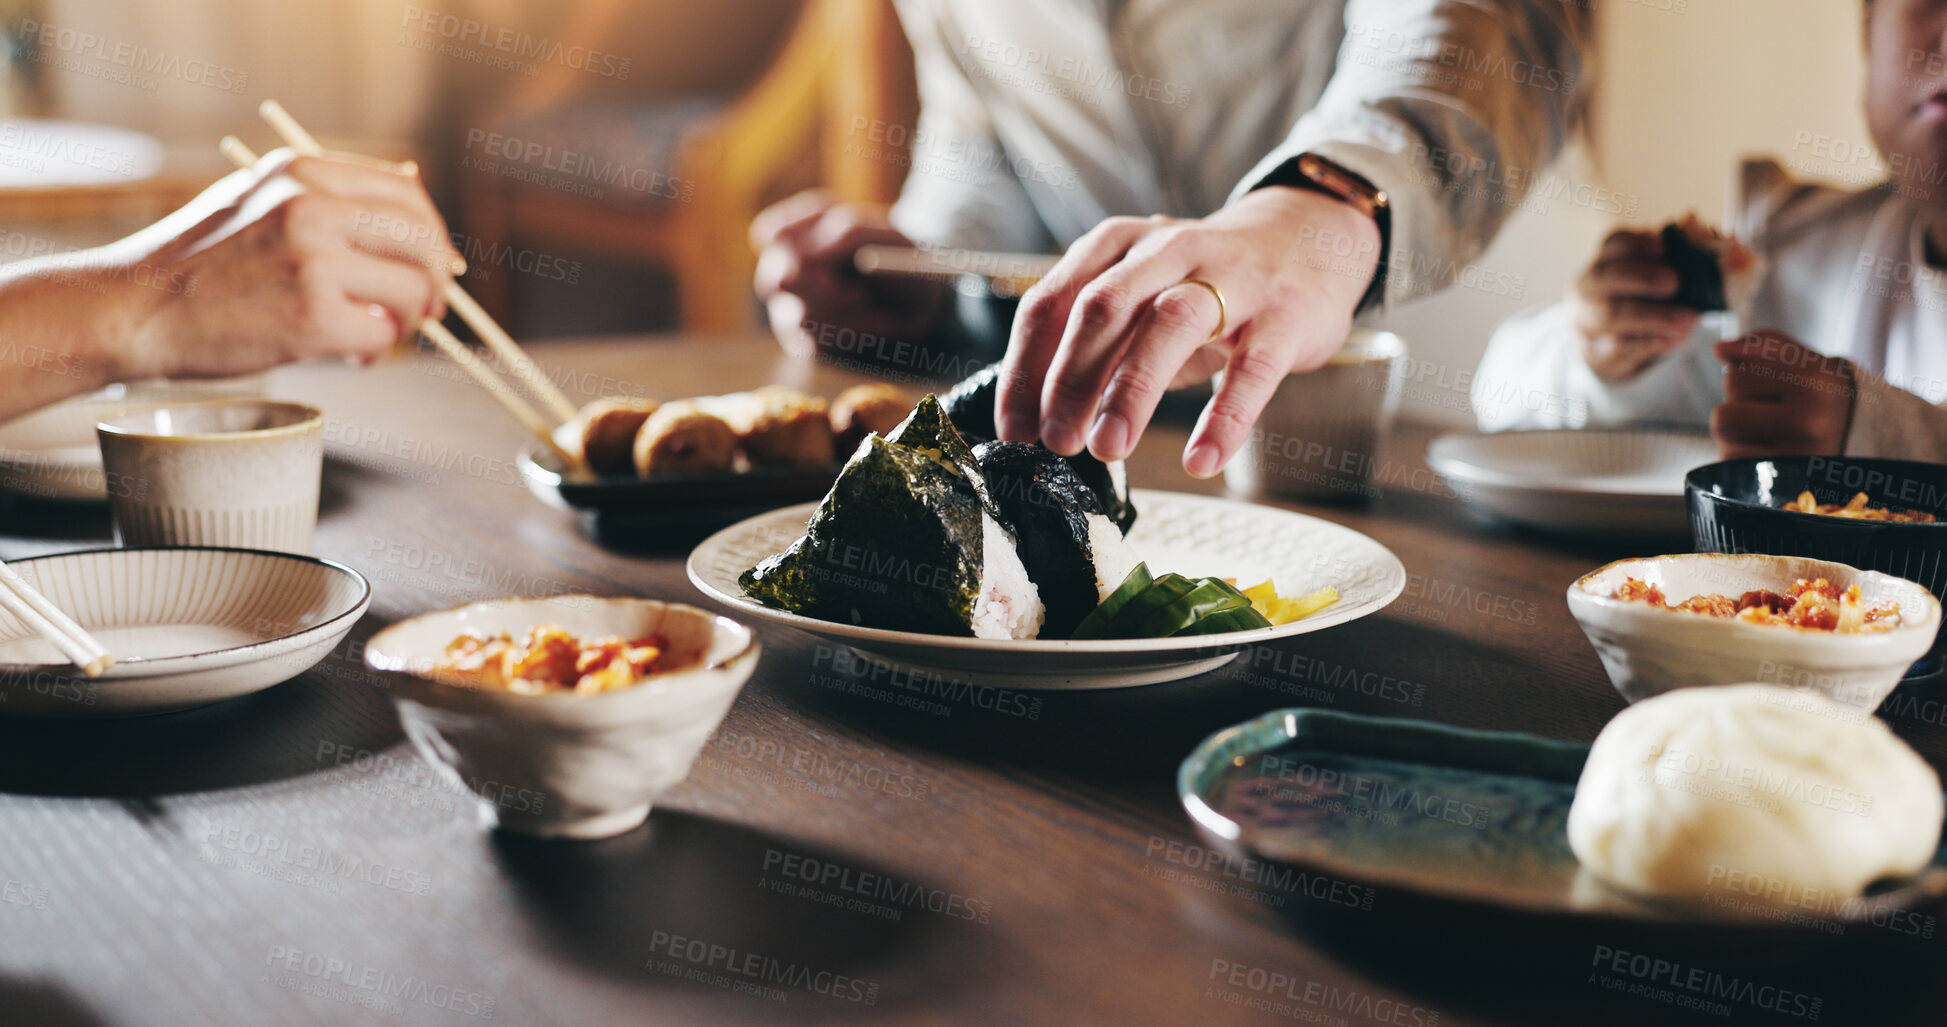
(1454,149)
(65,327)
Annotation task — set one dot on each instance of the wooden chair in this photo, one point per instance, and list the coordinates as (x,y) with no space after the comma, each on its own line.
(724,161)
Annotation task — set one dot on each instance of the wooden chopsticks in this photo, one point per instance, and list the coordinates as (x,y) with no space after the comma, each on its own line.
(52,623)
(471,312)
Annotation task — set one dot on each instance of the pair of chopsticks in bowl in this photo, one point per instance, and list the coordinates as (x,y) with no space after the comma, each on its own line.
(503,345)
(52,623)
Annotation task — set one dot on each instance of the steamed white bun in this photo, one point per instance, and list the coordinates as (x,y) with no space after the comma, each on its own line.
(1754,788)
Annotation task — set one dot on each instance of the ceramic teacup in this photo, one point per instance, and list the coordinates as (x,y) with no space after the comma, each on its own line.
(242,473)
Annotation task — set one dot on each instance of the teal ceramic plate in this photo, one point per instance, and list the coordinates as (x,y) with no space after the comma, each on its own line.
(1477,818)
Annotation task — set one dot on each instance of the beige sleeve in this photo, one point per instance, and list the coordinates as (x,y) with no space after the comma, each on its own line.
(1457,131)
(1889,421)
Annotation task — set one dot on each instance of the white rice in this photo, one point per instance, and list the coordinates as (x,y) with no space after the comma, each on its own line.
(1008,606)
(1114,556)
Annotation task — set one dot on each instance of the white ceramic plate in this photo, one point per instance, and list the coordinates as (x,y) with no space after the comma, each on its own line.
(1191,535)
(188,627)
(1627,480)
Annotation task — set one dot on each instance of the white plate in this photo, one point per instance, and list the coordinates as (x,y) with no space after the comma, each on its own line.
(1191,535)
(187,626)
(1628,480)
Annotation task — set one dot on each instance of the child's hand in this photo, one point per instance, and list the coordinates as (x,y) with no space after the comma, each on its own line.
(1619,310)
(1782,398)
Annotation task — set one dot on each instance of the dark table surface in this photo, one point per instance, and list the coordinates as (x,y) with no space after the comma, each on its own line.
(286,858)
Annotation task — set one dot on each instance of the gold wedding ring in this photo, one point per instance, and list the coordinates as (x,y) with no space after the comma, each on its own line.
(1223,317)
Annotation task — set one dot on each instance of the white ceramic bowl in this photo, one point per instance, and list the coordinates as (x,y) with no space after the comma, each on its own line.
(573,766)
(188,627)
(1648,651)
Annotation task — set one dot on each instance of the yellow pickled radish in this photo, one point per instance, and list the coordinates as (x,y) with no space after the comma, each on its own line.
(1280,610)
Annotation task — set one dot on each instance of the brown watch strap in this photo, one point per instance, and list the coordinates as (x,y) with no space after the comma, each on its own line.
(1311,172)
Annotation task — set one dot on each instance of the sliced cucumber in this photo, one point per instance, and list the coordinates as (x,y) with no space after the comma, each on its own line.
(1136,583)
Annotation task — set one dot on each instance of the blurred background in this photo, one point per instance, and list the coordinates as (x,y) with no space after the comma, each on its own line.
(600,160)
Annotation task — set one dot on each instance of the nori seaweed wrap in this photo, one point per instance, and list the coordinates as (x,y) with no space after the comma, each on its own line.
(970,405)
(1110,483)
(1700,275)
(928,428)
(903,541)
(1073,552)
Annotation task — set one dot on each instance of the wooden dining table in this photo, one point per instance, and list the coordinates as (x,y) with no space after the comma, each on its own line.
(988,857)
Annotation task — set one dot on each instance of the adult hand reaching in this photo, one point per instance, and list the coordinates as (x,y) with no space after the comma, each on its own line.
(810,287)
(1123,318)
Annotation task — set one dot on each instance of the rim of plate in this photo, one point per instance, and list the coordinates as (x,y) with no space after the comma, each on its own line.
(1261,734)
(164,664)
(1450,466)
(1338,613)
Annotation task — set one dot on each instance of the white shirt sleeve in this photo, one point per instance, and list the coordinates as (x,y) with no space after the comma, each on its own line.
(1453,107)
(960,190)
(1533,376)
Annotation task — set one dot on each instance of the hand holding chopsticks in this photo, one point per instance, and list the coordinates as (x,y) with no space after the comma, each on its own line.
(50,622)
(495,337)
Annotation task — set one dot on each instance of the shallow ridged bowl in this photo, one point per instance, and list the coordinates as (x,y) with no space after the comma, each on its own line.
(187,626)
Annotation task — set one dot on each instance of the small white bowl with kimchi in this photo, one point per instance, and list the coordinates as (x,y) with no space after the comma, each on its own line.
(1667,622)
(568,715)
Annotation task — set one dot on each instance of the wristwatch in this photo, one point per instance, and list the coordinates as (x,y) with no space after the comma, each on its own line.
(1318,174)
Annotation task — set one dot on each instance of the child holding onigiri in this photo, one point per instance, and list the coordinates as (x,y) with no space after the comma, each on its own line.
(1841,295)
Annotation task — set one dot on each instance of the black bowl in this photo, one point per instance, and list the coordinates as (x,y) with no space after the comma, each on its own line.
(1734,509)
